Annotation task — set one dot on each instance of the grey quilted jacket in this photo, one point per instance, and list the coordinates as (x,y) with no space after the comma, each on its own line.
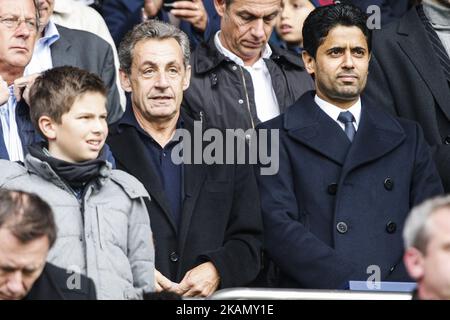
(105,235)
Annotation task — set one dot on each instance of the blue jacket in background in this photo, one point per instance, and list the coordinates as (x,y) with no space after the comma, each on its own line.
(122,15)
(27,134)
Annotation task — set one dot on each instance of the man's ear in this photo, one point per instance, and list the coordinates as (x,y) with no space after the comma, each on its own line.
(187,78)
(47,127)
(220,6)
(414,263)
(125,81)
(309,62)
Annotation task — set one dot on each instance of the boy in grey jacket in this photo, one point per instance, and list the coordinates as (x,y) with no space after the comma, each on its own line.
(103,225)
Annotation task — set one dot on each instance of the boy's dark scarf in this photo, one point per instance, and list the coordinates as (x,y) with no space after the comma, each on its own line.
(76,175)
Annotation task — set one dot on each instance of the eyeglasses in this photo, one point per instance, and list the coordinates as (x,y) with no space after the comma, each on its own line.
(13,23)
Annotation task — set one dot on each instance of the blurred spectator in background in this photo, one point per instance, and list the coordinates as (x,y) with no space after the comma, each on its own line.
(391,10)
(197,18)
(410,74)
(75,15)
(17,41)
(427,244)
(59,46)
(27,232)
(290,23)
(95,4)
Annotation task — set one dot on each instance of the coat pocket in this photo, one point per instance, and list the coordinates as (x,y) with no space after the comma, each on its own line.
(112,228)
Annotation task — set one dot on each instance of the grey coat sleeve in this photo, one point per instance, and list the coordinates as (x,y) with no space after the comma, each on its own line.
(141,253)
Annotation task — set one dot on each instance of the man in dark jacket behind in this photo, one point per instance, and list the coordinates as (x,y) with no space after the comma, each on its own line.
(410,74)
(238,80)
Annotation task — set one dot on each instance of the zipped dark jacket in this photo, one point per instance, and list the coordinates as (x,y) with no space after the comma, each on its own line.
(221,93)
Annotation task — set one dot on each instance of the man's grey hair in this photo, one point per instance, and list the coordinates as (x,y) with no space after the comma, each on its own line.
(416,232)
(151,29)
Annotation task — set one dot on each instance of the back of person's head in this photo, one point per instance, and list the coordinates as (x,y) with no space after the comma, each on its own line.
(26,216)
(27,232)
(418,229)
(323,19)
(151,30)
(426,237)
(55,91)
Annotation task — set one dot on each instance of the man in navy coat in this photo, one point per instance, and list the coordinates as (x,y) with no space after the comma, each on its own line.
(349,173)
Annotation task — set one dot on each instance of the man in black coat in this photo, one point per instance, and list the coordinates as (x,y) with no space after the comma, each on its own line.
(58,46)
(27,232)
(205,217)
(410,75)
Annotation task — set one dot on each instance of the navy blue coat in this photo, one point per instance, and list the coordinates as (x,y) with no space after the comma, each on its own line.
(122,15)
(336,207)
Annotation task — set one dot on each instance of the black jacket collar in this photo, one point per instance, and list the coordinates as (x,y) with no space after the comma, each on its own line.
(306,123)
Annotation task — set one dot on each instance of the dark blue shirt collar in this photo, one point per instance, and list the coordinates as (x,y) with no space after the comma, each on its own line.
(129,119)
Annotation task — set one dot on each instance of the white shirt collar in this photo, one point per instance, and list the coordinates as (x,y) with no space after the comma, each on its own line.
(266,53)
(333,111)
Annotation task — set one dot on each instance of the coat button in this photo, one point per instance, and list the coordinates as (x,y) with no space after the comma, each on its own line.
(241,101)
(447,140)
(342,227)
(173,257)
(391,227)
(234,68)
(332,188)
(388,184)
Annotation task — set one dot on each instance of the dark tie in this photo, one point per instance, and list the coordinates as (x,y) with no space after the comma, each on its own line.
(347,119)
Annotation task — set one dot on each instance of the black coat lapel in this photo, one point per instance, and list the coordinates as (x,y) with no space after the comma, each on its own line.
(194,177)
(309,125)
(425,61)
(378,134)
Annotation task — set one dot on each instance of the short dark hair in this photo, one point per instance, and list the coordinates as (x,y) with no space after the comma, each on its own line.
(320,21)
(55,91)
(27,216)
